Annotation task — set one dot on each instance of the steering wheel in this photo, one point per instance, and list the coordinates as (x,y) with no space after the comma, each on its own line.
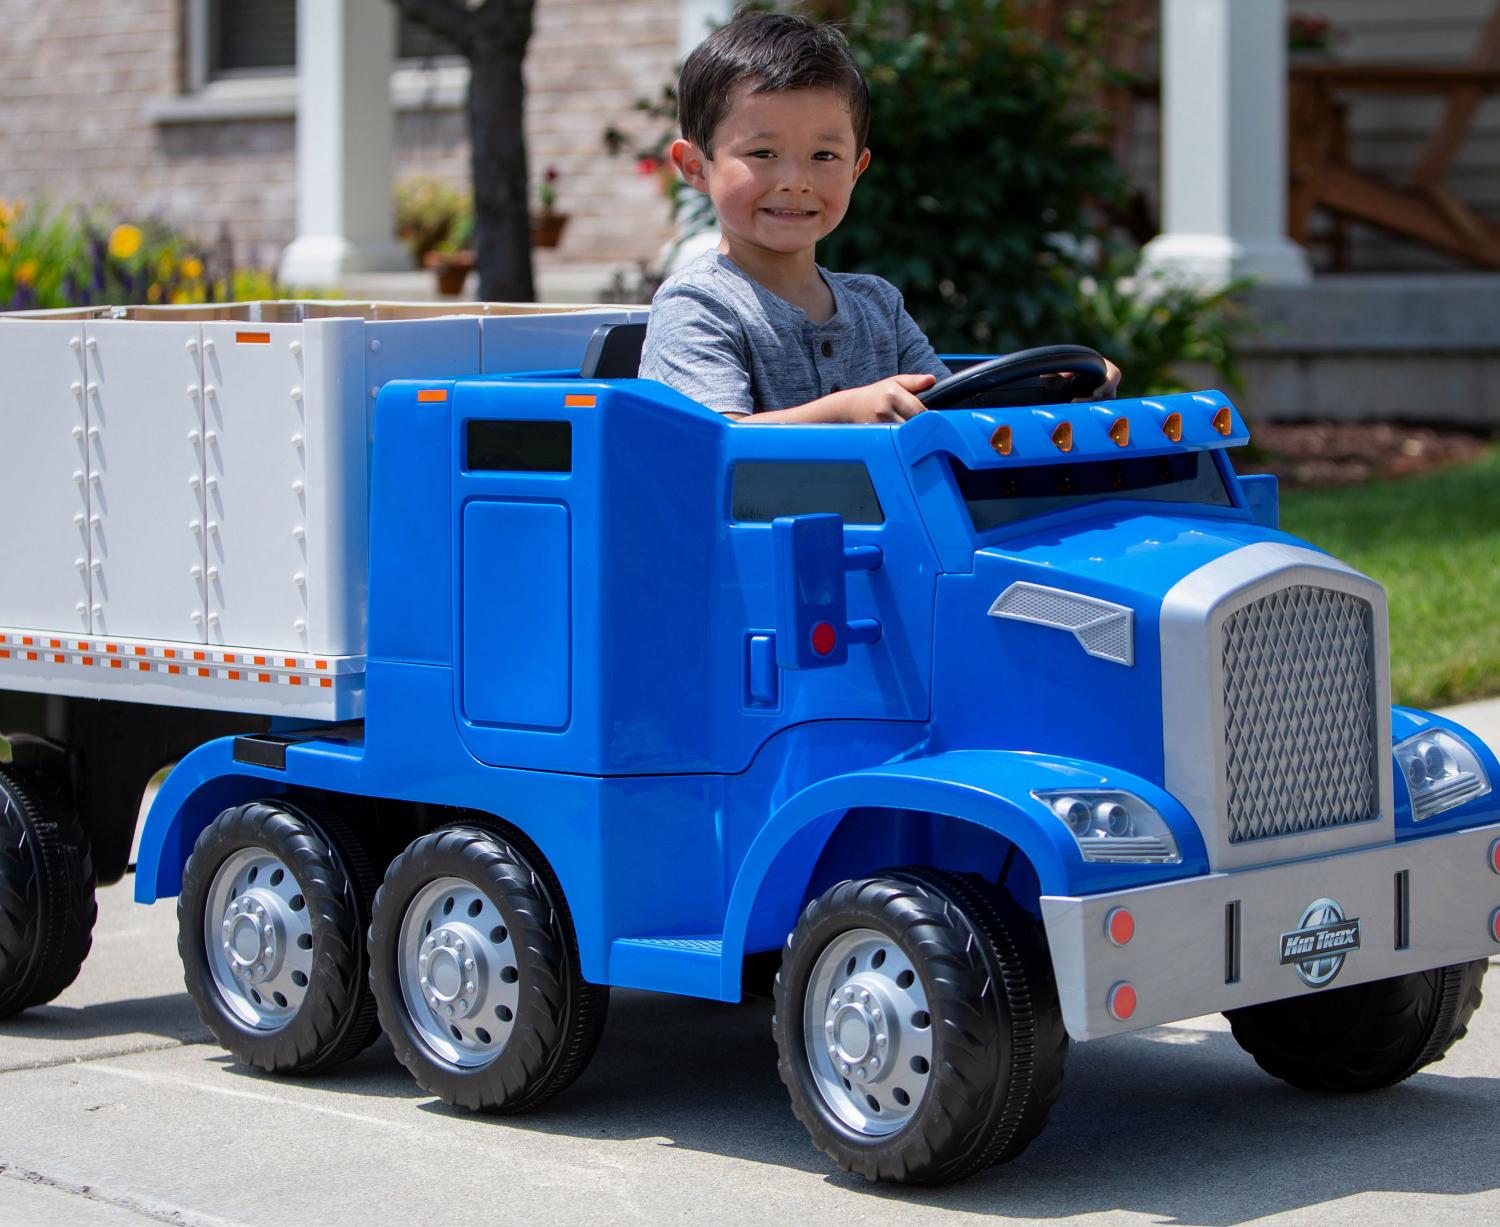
(1016,379)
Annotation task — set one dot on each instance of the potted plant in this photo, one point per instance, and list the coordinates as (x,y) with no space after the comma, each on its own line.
(1308,38)
(452,259)
(547,225)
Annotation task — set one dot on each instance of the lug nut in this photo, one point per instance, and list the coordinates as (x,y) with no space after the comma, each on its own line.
(864,998)
(875,1014)
(880,1041)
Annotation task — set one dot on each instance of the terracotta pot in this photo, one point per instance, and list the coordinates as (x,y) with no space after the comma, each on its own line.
(547,228)
(452,269)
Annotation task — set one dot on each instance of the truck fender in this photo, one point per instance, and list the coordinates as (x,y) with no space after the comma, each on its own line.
(201,787)
(990,788)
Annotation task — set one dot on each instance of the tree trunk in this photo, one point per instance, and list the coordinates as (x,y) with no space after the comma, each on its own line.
(497,144)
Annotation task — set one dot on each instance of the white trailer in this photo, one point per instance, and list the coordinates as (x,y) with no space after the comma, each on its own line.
(185,489)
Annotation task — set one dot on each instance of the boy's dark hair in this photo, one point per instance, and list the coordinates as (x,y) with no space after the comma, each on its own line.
(772,51)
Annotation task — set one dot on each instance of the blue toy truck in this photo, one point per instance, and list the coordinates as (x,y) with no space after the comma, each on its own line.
(1013,725)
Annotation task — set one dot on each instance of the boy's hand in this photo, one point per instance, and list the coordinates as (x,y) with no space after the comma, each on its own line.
(1107,390)
(889,400)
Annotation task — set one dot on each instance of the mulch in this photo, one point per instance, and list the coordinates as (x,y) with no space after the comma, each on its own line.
(1314,455)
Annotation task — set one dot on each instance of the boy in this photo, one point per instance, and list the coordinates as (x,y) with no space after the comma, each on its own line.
(775,115)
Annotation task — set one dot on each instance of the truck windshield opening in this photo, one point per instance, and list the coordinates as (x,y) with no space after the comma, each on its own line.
(1001,496)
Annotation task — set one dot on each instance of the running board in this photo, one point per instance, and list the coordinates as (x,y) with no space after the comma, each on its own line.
(690,965)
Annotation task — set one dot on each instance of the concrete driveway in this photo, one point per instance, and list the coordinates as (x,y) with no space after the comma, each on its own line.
(116,1107)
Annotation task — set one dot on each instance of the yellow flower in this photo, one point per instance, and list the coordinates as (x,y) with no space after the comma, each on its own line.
(192,268)
(26,272)
(164,266)
(153,292)
(124,241)
(178,297)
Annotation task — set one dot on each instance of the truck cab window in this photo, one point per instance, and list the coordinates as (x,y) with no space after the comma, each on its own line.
(765,489)
(1001,496)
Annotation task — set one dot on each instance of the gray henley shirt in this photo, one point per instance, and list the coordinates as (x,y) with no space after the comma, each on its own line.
(723,339)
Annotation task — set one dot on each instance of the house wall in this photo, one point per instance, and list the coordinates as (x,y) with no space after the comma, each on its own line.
(96,110)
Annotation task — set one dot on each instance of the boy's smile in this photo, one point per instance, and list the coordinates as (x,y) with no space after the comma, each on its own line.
(783,167)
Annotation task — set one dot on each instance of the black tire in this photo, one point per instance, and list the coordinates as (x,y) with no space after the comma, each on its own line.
(997,1044)
(531,1051)
(980,898)
(1365,1036)
(47,905)
(334,1019)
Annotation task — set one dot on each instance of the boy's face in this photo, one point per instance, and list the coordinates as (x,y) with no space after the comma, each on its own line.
(783,167)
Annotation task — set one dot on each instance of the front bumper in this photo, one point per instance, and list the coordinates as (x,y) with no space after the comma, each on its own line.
(1212,943)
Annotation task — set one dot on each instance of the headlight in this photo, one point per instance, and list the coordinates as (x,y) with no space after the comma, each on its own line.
(1110,825)
(1441,772)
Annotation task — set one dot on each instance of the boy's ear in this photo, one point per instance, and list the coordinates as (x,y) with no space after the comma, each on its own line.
(860,163)
(689,159)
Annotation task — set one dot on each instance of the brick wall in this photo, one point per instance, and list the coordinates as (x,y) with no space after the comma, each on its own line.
(79,80)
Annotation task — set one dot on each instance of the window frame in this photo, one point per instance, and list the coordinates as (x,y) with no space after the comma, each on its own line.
(416,85)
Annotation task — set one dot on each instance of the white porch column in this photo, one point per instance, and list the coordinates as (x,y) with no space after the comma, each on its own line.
(345,133)
(1224,169)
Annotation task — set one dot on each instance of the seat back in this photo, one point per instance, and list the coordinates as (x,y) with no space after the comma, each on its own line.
(614,352)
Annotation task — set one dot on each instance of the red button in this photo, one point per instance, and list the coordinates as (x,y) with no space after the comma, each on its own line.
(824,638)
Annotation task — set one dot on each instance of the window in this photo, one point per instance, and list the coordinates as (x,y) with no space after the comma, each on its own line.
(765,489)
(259,37)
(1000,496)
(520,446)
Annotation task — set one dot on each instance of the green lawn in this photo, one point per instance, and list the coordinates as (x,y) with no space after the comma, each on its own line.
(1434,542)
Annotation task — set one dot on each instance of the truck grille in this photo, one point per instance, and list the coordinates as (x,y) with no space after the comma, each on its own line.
(1300,739)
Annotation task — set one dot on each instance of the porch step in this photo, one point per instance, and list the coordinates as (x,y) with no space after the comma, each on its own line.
(682,963)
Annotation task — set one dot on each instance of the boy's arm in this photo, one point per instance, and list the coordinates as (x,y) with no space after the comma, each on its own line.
(889,400)
(694,344)
(914,349)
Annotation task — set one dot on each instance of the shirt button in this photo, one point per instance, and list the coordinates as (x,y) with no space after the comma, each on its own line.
(828,349)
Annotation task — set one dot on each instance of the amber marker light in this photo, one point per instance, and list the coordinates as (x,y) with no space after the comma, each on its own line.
(1063,436)
(1119,432)
(1119,926)
(1172,427)
(1224,420)
(1000,440)
(1121,1001)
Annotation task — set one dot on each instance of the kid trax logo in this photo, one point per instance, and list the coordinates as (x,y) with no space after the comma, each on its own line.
(1318,945)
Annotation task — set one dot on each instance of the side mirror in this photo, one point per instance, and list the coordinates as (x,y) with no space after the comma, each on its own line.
(1261,497)
(812,626)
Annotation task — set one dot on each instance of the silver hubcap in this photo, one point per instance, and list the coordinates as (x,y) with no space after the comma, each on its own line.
(458,972)
(868,1032)
(258,935)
